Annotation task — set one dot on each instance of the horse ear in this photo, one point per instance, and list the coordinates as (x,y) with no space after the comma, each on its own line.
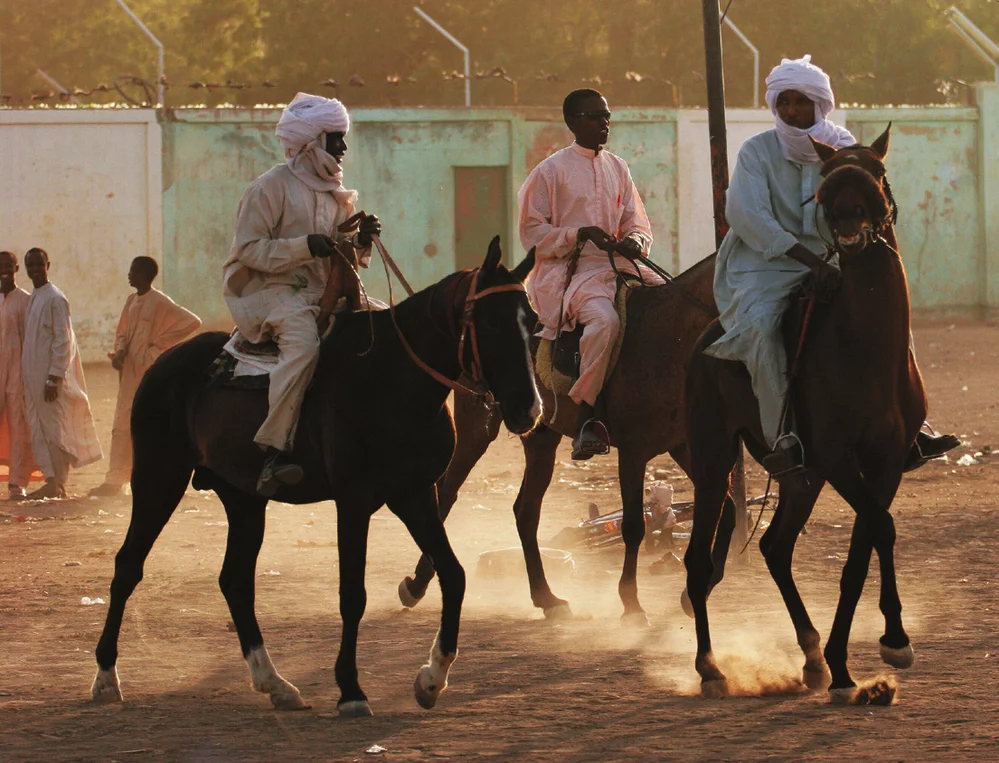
(493,257)
(880,145)
(824,151)
(524,268)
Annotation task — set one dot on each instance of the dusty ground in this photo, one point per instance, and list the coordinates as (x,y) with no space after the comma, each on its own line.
(522,688)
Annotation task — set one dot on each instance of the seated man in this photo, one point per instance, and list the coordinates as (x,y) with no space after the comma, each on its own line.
(774,244)
(582,201)
(278,266)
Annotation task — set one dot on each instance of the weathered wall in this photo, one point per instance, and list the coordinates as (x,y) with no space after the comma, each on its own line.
(97,187)
(85,187)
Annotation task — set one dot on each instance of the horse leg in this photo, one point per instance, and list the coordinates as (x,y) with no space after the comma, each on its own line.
(851,585)
(896,650)
(476,427)
(631,475)
(710,490)
(777,547)
(156,490)
(352,539)
(246,513)
(419,513)
(540,448)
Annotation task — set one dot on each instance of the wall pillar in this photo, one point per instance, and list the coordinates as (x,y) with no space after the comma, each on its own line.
(987,100)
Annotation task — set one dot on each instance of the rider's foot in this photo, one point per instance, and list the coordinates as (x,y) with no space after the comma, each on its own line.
(786,462)
(278,470)
(16,493)
(592,440)
(927,447)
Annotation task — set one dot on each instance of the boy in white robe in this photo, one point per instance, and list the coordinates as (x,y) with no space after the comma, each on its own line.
(150,324)
(55,392)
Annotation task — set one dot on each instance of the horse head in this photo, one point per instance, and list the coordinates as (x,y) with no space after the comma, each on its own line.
(500,325)
(855,206)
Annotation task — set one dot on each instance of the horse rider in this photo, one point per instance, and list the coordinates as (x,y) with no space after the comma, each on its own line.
(581,201)
(774,246)
(287,228)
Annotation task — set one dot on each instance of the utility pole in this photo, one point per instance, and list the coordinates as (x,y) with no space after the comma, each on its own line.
(718,138)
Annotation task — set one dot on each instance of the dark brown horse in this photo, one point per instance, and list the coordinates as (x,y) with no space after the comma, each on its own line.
(374,430)
(858,402)
(644,412)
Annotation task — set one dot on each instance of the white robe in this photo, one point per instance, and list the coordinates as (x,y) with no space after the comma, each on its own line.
(50,349)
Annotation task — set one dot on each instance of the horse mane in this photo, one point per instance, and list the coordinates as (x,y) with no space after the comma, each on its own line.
(851,176)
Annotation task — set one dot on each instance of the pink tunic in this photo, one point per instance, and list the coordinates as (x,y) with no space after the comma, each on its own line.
(571,189)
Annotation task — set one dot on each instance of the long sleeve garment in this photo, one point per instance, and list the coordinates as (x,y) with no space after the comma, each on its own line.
(150,324)
(770,209)
(572,189)
(15,448)
(64,424)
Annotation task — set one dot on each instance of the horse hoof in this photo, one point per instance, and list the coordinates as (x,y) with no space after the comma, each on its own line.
(636,620)
(424,698)
(558,613)
(716,688)
(105,687)
(354,709)
(289,701)
(408,600)
(688,610)
(898,658)
(817,679)
(844,696)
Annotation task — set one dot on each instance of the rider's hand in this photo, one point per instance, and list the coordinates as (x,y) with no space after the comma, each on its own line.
(629,248)
(825,278)
(320,245)
(117,359)
(595,234)
(370,226)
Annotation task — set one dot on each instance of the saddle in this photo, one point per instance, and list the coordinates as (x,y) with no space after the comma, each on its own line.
(244,364)
(556,362)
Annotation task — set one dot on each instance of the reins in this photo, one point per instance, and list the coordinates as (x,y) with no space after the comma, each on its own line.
(467,328)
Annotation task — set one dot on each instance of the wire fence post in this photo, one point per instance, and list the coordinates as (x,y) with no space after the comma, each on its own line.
(457,44)
(157,43)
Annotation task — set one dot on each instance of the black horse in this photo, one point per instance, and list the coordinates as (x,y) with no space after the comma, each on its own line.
(374,430)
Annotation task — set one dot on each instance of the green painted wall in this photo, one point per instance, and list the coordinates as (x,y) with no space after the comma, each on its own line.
(402,162)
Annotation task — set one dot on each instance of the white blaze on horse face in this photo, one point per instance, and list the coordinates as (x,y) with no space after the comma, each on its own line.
(265,679)
(536,409)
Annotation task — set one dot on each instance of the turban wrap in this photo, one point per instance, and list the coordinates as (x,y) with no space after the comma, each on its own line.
(303,123)
(809,80)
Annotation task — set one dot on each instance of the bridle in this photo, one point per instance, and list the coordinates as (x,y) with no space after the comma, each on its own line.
(463,331)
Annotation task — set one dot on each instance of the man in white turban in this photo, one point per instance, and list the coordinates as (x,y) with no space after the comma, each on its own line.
(286,230)
(774,243)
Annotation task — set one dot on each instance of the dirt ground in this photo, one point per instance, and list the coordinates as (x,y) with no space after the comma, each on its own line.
(522,688)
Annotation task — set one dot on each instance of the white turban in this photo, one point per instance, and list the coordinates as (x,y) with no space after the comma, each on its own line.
(809,80)
(302,125)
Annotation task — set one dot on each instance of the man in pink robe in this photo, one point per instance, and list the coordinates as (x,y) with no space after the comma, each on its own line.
(582,201)
(13,306)
(151,323)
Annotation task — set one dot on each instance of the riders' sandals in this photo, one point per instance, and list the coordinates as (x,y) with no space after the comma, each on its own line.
(16,493)
(926,447)
(48,490)
(592,440)
(278,471)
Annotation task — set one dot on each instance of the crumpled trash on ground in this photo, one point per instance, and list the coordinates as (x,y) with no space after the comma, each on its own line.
(968,460)
(376,749)
(86,601)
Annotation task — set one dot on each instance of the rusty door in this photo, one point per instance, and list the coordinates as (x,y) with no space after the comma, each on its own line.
(481,211)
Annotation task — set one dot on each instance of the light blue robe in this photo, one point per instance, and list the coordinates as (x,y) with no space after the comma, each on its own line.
(754,279)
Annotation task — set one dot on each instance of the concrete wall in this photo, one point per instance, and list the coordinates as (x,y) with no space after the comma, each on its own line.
(85,186)
(97,187)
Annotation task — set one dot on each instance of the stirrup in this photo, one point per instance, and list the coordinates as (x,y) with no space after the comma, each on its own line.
(598,444)
(786,462)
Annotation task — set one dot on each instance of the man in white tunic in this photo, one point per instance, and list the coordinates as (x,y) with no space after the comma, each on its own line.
(582,201)
(13,307)
(150,324)
(287,228)
(55,392)
(775,244)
